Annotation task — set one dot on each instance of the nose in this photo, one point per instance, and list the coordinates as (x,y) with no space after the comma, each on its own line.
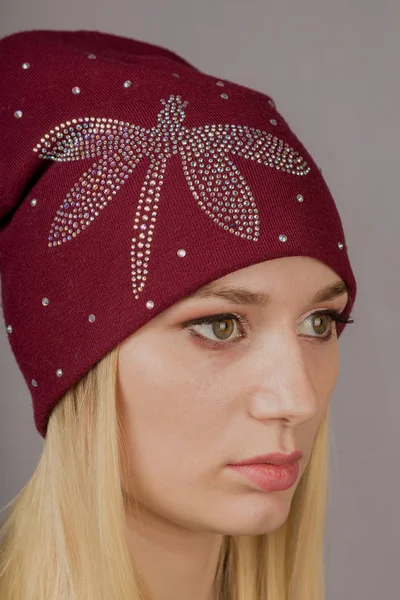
(281,383)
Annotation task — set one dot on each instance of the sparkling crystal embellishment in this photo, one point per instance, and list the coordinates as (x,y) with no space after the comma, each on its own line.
(91,56)
(33,202)
(45,301)
(181,253)
(282,238)
(150,304)
(175,75)
(225,96)
(300,198)
(59,373)
(18,114)
(34,382)
(76,90)
(271,103)
(216,183)
(25,65)
(340,245)
(127,84)
(220,83)
(273,122)
(9,329)
(92,318)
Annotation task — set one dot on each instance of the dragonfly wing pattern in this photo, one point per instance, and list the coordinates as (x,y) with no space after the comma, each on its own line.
(219,188)
(118,146)
(216,182)
(265,148)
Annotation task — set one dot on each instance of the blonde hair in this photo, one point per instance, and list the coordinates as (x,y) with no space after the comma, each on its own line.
(65,536)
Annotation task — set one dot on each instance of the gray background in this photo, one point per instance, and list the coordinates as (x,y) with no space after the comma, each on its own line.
(333,69)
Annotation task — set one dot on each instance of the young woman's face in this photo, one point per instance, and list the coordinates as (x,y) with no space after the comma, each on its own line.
(196,398)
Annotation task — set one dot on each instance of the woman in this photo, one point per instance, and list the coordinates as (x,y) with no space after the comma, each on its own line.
(175,279)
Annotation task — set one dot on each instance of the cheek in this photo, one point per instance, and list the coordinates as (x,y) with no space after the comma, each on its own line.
(171,417)
(323,370)
(327,371)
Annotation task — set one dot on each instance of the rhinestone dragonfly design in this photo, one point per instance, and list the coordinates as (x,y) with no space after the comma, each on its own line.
(216,184)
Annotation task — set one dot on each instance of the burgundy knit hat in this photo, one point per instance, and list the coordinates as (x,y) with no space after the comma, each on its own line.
(128,180)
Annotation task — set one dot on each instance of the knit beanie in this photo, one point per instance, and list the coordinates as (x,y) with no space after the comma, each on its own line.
(128,180)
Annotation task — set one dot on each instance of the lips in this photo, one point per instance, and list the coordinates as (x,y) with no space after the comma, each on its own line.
(276,458)
(267,477)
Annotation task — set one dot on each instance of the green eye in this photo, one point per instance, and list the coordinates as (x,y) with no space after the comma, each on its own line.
(319,325)
(222,329)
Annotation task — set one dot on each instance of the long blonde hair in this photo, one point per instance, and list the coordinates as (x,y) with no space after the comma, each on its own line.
(65,535)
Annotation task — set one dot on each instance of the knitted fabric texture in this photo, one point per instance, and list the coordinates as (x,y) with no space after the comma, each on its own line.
(128,180)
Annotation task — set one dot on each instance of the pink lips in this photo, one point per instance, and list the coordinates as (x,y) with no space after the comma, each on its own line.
(273,459)
(270,472)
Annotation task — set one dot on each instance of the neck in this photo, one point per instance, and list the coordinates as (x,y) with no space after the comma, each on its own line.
(175,563)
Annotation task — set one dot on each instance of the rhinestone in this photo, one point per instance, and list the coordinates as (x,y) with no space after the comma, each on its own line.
(92,318)
(45,301)
(9,329)
(25,65)
(300,198)
(282,238)
(225,96)
(271,103)
(127,84)
(273,122)
(34,382)
(214,181)
(33,202)
(18,114)
(149,304)
(175,75)
(220,83)
(59,373)
(340,246)
(76,90)
(181,252)
(91,56)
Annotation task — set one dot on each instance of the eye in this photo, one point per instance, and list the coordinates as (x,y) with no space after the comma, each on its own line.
(320,323)
(220,328)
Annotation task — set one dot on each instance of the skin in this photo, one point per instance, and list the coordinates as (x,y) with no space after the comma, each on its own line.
(189,409)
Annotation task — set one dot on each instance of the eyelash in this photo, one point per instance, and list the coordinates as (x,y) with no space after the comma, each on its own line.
(334,314)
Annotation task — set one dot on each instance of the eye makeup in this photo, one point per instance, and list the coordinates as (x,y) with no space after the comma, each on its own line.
(190,325)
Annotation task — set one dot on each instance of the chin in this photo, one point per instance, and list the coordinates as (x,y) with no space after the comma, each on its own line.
(255,516)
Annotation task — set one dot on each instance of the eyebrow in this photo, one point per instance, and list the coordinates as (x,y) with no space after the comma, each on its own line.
(239,295)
